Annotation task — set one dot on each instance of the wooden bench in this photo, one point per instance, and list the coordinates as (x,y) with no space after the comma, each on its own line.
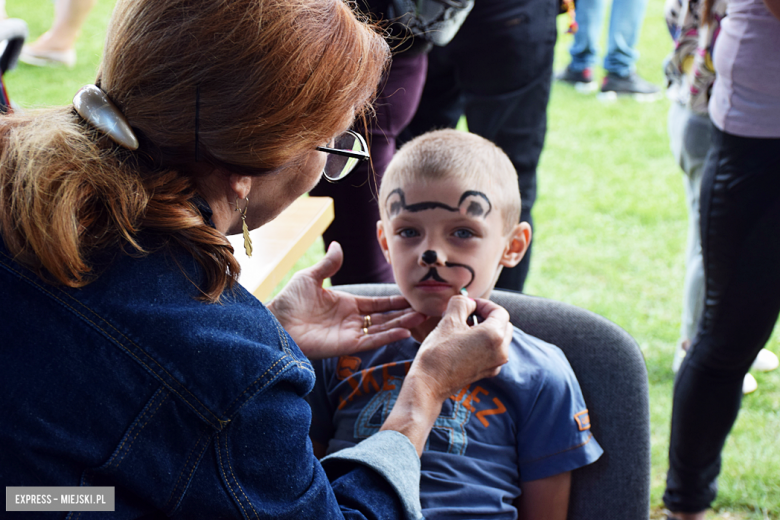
(280,243)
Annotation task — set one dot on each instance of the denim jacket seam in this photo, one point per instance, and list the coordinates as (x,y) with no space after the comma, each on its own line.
(285,346)
(148,417)
(232,473)
(252,387)
(261,388)
(253,383)
(287,356)
(119,343)
(227,480)
(221,423)
(304,364)
(180,494)
(282,337)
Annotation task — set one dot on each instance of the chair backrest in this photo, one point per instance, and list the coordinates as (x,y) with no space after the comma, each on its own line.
(612,374)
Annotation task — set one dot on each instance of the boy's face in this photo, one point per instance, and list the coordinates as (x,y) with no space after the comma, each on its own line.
(443,236)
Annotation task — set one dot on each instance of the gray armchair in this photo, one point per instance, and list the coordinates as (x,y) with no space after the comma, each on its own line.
(613,377)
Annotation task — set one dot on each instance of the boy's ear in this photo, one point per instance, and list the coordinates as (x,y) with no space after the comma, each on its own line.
(517,244)
(381,237)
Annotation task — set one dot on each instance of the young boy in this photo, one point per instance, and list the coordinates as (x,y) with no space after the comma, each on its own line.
(504,446)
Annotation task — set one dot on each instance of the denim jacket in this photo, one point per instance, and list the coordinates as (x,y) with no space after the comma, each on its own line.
(188,409)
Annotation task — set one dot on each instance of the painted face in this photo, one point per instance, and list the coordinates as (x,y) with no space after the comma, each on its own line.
(441,237)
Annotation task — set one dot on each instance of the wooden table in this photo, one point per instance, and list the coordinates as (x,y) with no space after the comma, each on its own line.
(280,243)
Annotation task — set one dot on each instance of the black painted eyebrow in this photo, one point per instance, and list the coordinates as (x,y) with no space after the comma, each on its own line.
(475,193)
(396,207)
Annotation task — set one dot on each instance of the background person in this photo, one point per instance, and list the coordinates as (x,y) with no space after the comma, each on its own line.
(690,76)
(625,24)
(131,356)
(497,71)
(57,46)
(740,215)
(356,210)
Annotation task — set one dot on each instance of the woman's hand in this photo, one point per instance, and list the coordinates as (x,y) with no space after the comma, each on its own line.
(327,323)
(452,356)
(456,354)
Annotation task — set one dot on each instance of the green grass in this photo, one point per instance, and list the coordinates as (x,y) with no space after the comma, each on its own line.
(610,225)
(35,86)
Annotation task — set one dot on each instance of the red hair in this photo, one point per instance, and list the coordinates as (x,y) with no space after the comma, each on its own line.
(272,79)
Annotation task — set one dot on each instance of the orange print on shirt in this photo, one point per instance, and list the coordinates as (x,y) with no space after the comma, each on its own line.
(583,420)
(347,366)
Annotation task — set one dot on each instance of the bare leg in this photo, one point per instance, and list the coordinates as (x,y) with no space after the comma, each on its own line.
(57,46)
(69,16)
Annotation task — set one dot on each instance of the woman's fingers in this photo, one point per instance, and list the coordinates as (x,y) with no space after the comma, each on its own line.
(459,308)
(387,327)
(456,354)
(372,304)
(330,263)
(405,318)
(378,339)
(488,310)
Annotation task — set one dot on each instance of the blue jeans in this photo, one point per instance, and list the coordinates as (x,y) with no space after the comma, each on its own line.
(624,25)
(690,135)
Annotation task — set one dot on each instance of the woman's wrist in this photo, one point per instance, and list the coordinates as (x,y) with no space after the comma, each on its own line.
(416,409)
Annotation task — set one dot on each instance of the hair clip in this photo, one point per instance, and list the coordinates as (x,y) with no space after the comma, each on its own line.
(93,105)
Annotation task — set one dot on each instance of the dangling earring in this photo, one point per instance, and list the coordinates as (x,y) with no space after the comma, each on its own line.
(247,238)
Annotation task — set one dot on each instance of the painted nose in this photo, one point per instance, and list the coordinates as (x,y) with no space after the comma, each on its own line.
(429,257)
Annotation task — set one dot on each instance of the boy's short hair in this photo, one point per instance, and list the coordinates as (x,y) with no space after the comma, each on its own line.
(444,154)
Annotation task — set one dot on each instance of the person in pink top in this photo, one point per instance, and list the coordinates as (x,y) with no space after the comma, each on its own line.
(740,215)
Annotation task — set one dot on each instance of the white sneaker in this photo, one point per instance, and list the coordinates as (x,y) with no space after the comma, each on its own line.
(749,384)
(47,58)
(766,361)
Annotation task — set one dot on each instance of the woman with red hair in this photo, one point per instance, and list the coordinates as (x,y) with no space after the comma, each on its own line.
(131,357)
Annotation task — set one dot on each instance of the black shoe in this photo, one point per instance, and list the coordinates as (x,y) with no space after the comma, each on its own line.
(631,84)
(582,80)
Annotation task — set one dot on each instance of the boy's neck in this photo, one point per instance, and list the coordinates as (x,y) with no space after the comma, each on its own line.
(421,332)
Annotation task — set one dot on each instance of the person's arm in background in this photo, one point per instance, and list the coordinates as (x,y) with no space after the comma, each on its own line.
(545,499)
(774,7)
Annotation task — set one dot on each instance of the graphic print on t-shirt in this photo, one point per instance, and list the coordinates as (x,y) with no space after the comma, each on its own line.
(385,381)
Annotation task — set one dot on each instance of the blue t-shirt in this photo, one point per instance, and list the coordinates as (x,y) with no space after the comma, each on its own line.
(527,423)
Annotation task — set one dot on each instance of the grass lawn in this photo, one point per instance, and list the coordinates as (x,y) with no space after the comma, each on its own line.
(610,225)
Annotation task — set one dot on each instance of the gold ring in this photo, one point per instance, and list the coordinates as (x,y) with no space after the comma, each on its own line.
(365,330)
(366,321)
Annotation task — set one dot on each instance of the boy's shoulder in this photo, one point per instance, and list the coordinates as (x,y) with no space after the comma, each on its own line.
(532,355)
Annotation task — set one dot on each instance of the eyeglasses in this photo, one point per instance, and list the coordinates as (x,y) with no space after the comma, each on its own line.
(345,153)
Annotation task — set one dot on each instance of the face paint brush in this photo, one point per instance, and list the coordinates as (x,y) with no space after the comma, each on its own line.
(473,317)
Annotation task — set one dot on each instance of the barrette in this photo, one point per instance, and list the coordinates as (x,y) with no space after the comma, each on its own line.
(93,105)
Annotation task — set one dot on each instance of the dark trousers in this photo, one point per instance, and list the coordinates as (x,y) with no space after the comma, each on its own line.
(497,71)
(740,230)
(357,212)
